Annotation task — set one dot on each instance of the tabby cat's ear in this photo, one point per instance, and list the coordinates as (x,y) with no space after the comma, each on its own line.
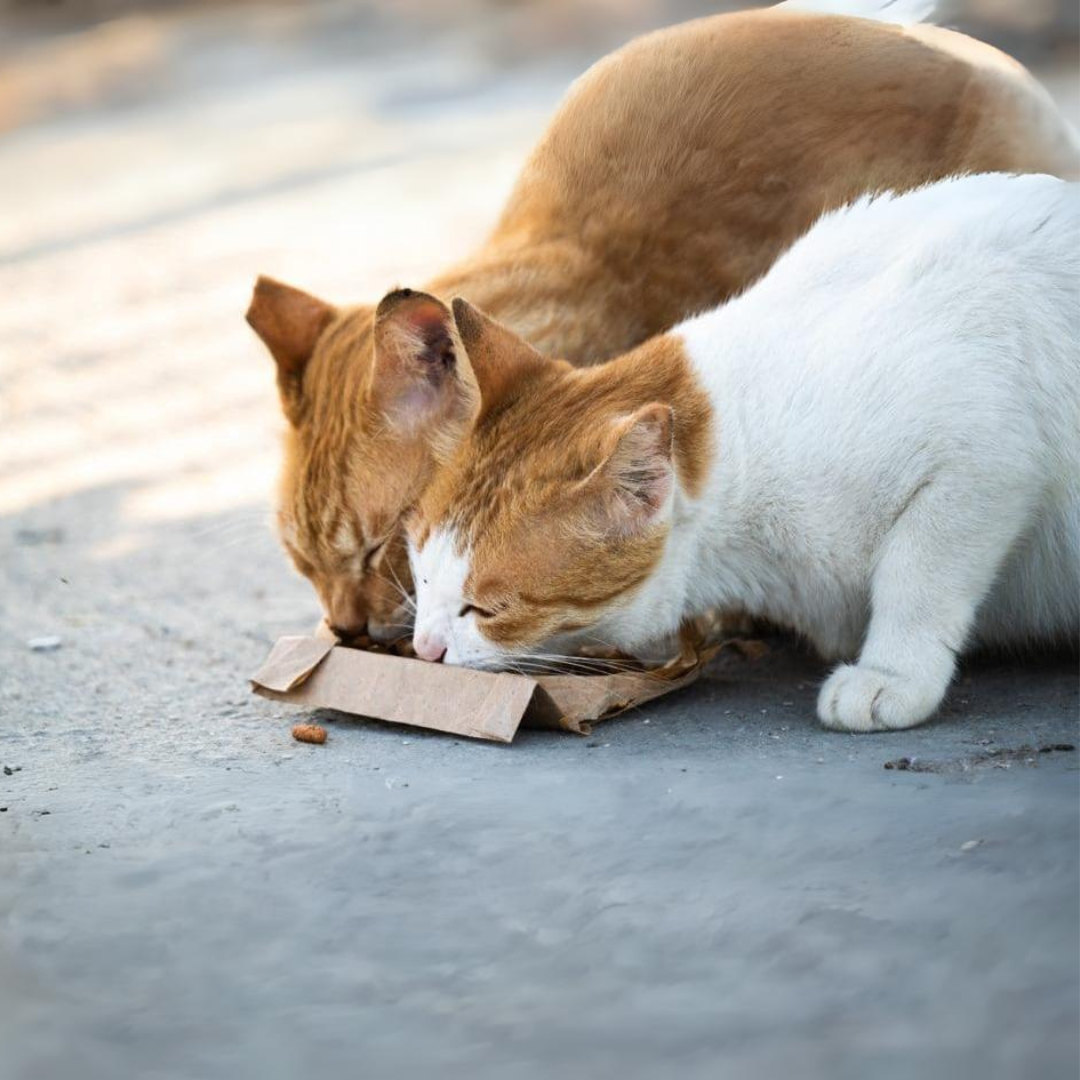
(632,488)
(290,322)
(499,358)
(422,379)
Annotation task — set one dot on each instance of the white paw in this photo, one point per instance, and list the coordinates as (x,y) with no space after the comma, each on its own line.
(859,698)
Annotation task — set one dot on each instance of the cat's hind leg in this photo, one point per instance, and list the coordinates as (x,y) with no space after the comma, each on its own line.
(935,566)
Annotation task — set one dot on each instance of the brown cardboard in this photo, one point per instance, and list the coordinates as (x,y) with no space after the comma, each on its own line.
(316,673)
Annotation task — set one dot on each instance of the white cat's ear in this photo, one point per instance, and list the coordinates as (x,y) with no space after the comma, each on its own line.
(500,359)
(634,486)
(290,323)
(421,379)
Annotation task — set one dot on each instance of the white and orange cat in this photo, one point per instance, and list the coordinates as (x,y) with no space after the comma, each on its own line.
(674,173)
(876,446)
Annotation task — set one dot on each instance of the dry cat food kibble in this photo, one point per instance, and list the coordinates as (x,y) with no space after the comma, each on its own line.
(311,733)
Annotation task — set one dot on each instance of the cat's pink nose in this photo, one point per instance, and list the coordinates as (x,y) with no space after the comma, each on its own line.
(429,647)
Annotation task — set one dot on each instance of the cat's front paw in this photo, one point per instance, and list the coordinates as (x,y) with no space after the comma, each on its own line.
(860,698)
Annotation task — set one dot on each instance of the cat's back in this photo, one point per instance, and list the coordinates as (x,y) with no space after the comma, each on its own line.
(685,162)
(762,105)
(906,329)
(988,264)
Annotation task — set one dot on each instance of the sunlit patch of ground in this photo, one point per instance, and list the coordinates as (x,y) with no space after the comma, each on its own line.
(127,269)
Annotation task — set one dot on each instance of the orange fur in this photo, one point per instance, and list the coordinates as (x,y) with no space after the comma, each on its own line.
(675,172)
(549,492)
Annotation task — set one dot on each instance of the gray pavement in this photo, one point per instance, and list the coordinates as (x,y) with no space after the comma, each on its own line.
(708,887)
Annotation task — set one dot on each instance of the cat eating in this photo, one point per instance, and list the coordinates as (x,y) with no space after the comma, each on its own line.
(874,446)
(673,175)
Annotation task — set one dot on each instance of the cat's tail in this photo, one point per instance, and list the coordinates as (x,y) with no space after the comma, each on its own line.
(904,12)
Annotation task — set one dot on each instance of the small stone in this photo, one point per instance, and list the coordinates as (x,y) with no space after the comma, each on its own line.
(970,845)
(45,643)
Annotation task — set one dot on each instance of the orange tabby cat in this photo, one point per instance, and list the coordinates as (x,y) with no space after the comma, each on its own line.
(675,172)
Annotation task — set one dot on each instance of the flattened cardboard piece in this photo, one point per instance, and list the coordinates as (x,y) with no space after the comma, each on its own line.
(461,701)
(313,672)
(291,661)
(573,702)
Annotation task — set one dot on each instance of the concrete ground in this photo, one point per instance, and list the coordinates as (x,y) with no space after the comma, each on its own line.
(710,886)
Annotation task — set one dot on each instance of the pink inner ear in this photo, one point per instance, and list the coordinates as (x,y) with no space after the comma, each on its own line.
(649,486)
(437,345)
(640,471)
(638,496)
(421,381)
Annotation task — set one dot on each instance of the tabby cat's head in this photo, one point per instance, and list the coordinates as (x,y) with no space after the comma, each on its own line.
(544,530)
(372,397)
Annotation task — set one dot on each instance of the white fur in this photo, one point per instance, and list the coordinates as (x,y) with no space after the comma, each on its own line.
(897,461)
(896,471)
(904,12)
(439,573)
